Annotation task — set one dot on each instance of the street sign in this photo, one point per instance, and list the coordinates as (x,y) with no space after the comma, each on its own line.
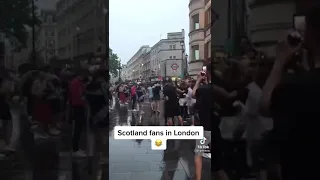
(174,66)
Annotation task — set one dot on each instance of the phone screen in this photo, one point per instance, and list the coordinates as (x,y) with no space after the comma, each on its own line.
(299,23)
(204,68)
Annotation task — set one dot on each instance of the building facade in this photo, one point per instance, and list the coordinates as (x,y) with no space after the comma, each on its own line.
(166,59)
(45,39)
(229,24)
(196,36)
(135,65)
(81,30)
(146,66)
(207,34)
(270,21)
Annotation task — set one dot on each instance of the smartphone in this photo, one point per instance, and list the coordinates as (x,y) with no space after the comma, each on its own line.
(204,70)
(299,23)
(296,36)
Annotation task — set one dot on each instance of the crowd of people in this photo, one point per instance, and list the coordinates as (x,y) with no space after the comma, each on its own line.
(275,105)
(274,102)
(50,98)
(177,95)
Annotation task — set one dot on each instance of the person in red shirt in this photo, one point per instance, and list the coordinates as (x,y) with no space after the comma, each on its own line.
(77,103)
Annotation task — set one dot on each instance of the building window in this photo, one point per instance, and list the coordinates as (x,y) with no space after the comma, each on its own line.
(50,44)
(195,53)
(170,46)
(170,57)
(49,19)
(69,48)
(49,33)
(173,57)
(196,22)
(173,46)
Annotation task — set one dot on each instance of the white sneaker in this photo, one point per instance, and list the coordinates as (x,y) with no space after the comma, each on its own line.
(54,132)
(40,136)
(79,153)
(206,155)
(134,110)
(2,156)
(7,148)
(34,127)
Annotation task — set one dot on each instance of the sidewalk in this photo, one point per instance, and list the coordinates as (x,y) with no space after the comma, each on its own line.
(134,159)
(37,160)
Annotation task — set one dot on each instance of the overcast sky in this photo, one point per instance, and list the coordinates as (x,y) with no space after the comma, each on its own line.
(134,23)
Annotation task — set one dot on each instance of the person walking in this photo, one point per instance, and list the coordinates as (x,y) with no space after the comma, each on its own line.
(150,96)
(156,89)
(76,90)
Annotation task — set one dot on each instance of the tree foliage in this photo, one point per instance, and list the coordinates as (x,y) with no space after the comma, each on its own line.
(15,17)
(114,63)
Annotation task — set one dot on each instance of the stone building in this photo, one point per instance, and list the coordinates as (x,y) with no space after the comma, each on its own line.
(270,20)
(81,30)
(196,36)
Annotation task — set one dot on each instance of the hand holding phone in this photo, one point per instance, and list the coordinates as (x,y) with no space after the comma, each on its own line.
(204,71)
(295,37)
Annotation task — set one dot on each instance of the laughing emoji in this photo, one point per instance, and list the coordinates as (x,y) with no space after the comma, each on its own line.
(158,142)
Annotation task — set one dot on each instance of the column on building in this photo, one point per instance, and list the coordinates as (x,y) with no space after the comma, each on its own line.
(196,36)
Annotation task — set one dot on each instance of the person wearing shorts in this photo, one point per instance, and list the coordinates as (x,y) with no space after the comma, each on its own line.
(171,105)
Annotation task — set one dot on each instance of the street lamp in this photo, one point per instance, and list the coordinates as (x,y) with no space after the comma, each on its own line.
(182,57)
(78,45)
(34,61)
(186,61)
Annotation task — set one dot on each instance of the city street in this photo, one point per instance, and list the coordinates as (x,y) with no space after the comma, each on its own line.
(39,159)
(51,159)
(134,159)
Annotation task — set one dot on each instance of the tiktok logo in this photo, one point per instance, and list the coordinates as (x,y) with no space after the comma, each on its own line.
(203,141)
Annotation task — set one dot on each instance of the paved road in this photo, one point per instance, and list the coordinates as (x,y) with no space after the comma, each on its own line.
(128,159)
(134,159)
(38,160)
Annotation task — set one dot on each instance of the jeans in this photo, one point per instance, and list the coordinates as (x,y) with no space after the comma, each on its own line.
(79,119)
(134,101)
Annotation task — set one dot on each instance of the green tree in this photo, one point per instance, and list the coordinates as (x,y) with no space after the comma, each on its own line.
(114,63)
(15,17)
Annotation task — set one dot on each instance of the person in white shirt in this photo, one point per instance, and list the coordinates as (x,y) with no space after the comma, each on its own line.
(191,101)
(254,126)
